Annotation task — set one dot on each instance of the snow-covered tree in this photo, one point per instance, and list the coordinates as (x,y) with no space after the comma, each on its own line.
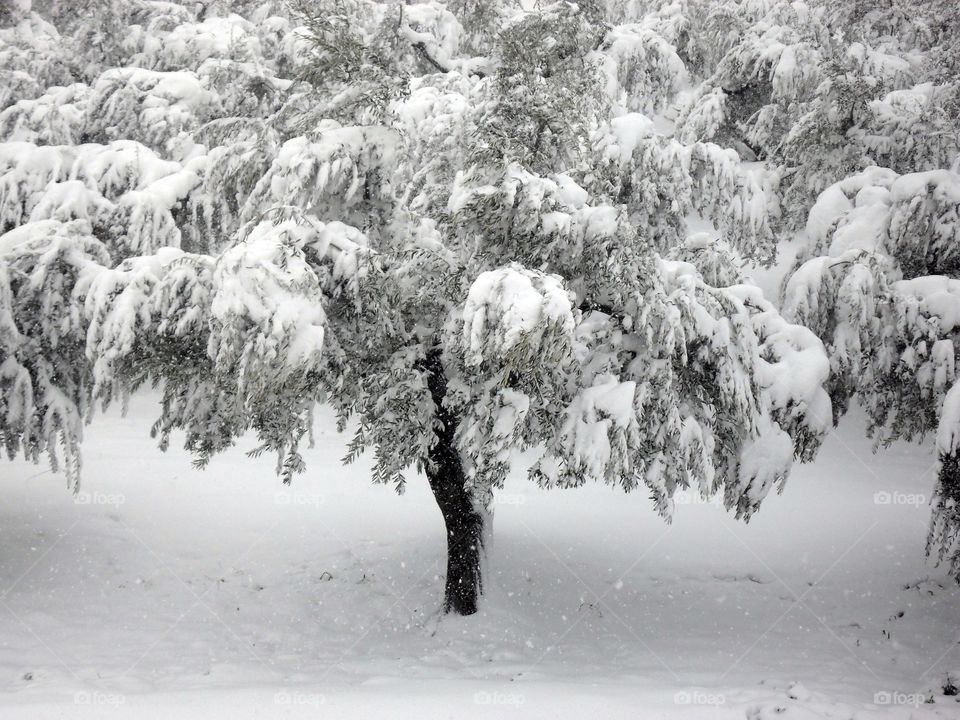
(452,226)
(821,90)
(878,285)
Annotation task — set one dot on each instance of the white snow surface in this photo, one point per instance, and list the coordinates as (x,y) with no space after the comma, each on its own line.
(162,591)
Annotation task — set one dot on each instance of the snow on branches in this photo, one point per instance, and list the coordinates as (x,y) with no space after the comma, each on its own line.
(455,226)
(236,341)
(507,352)
(821,93)
(55,118)
(638,417)
(126,193)
(662,182)
(643,69)
(873,229)
(45,381)
(881,293)
(153,107)
(652,342)
(341,174)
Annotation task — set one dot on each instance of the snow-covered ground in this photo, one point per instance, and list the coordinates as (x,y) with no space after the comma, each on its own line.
(163,591)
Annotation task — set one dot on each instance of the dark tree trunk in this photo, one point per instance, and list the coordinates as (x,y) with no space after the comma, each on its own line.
(463,521)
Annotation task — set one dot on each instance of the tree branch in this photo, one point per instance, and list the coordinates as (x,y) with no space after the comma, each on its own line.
(422,48)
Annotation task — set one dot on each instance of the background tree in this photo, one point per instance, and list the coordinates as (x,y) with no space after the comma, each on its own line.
(875,278)
(880,290)
(821,90)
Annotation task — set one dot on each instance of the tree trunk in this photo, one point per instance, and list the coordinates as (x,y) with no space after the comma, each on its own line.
(463,521)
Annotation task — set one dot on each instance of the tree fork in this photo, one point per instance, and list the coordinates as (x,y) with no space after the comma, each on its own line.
(464,523)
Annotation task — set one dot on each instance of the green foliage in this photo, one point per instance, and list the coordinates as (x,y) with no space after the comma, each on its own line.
(353,70)
(545,92)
